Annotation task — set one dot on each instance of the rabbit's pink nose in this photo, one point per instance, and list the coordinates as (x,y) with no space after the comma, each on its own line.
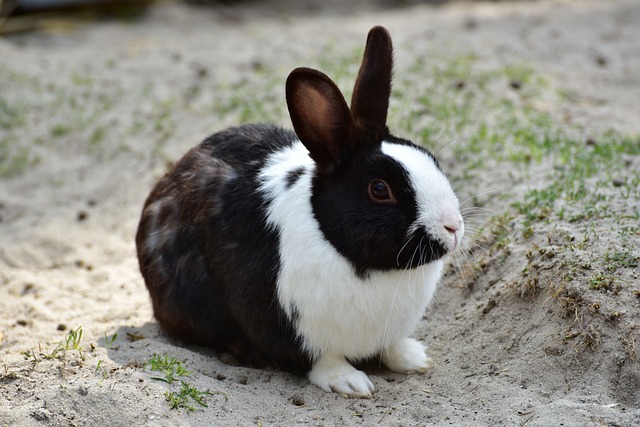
(451,220)
(452,228)
(454,232)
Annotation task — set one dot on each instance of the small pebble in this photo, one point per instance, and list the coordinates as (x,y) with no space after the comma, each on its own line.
(82,215)
(601,60)
(221,377)
(618,182)
(490,306)
(257,65)
(297,399)
(242,379)
(470,24)
(515,84)
(41,414)
(61,327)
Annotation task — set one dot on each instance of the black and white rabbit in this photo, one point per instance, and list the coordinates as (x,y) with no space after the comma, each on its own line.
(304,250)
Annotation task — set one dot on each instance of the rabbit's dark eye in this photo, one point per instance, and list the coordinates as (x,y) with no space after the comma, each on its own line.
(380,192)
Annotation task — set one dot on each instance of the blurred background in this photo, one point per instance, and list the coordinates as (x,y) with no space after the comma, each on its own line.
(29,15)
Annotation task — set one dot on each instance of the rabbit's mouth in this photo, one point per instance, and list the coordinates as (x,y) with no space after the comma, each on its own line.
(420,248)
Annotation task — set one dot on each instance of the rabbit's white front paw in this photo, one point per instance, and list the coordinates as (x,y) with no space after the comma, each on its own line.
(332,373)
(407,356)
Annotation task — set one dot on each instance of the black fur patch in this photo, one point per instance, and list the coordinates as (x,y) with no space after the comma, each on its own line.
(293,176)
(215,283)
(295,313)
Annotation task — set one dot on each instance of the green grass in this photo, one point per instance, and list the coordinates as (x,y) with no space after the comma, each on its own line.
(71,342)
(620,259)
(169,366)
(110,340)
(259,100)
(14,157)
(186,395)
(39,115)
(10,114)
(14,160)
(182,399)
(604,282)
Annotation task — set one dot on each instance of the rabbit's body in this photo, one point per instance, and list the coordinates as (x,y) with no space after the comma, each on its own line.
(304,250)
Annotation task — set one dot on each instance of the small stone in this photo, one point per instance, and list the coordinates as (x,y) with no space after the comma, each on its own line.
(491,304)
(617,182)
(201,71)
(242,379)
(297,399)
(221,377)
(601,60)
(257,65)
(132,337)
(61,327)
(82,216)
(470,24)
(41,414)
(515,84)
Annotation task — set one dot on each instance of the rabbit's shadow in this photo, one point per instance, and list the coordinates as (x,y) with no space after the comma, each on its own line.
(131,344)
(134,346)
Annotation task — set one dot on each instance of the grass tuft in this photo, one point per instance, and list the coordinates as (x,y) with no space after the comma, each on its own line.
(169,366)
(172,368)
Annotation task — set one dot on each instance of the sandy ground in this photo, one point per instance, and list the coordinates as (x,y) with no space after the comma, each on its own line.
(104,107)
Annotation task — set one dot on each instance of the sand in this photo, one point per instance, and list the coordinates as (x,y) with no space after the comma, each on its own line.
(95,112)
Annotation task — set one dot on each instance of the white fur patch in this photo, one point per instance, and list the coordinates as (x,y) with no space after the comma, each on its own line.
(438,206)
(158,235)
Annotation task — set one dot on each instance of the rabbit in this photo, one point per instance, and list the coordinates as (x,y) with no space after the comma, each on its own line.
(309,250)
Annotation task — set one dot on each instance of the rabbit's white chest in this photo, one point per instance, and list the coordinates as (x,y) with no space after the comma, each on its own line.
(338,313)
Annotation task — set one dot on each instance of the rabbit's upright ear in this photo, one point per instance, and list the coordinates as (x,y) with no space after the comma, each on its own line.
(370,100)
(320,117)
